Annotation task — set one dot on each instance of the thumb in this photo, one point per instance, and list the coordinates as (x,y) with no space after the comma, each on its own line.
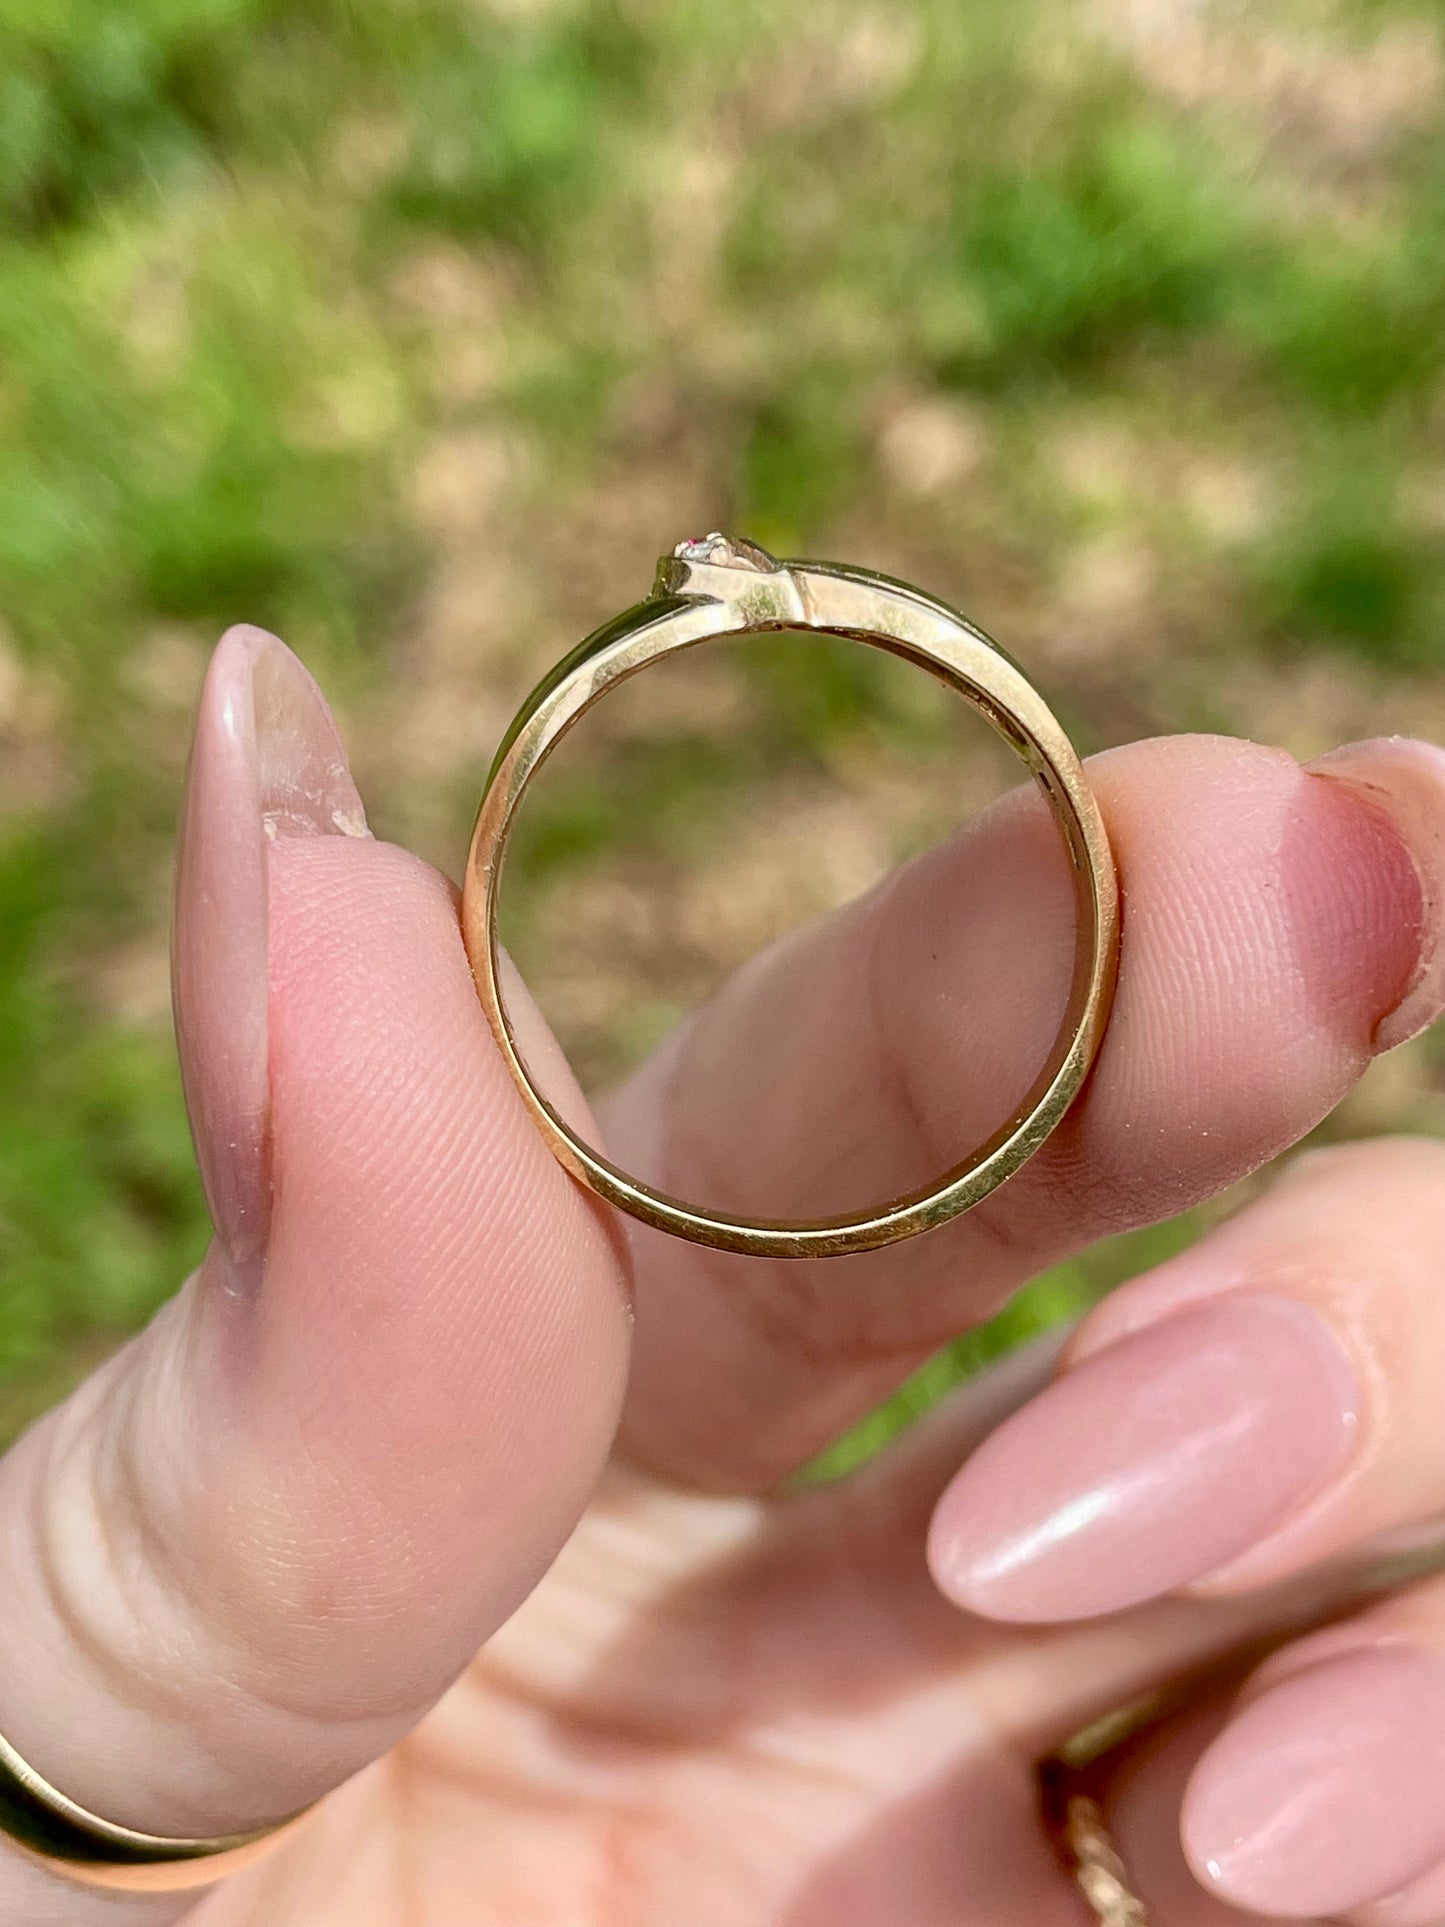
(247,1555)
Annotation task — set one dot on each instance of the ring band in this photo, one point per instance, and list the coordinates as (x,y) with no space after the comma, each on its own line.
(715,588)
(1098,1871)
(78,1845)
(1075,1821)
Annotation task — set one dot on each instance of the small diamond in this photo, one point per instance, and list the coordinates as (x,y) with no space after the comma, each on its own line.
(705,548)
(722,570)
(719,552)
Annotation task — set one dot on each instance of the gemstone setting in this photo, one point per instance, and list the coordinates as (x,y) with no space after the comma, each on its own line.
(719,551)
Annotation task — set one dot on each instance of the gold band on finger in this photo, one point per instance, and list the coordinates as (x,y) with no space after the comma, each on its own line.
(714,588)
(1099,1871)
(67,1838)
(1074,1820)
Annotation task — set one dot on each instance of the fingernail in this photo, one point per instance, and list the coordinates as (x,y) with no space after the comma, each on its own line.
(1325,1792)
(266,761)
(1403,779)
(1149,1463)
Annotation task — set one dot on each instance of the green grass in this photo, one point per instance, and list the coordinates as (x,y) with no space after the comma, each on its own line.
(212,393)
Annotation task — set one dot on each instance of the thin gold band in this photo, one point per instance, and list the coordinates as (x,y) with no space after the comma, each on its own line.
(79,1845)
(715,588)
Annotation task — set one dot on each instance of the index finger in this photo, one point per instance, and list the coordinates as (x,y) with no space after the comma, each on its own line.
(1279,927)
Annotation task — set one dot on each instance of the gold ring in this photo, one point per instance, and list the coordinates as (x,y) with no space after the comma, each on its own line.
(714,588)
(1075,1820)
(1099,1873)
(49,1827)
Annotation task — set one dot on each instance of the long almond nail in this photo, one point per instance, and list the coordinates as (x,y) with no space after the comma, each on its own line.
(1324,1792)
(1149,1463)
(1404,780)
(266,761)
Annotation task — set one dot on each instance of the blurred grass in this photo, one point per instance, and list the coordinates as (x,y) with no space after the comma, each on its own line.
(412,329)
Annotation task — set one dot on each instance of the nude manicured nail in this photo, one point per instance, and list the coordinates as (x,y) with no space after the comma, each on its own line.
(1326,1791)
(1404,779)
(1149,1464)
(266,761)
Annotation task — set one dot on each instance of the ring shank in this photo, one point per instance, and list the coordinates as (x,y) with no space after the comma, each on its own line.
(881,613)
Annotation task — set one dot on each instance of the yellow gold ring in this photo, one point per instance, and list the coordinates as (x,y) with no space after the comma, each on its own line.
(1074,1818)
(714,588)
(80,1846)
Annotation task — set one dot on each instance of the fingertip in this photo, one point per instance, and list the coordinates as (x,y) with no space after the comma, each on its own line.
(1149,1463)
(1402,780)
(1274,865)
(1282,1818)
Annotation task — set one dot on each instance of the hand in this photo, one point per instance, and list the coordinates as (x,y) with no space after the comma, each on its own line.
(248,1557)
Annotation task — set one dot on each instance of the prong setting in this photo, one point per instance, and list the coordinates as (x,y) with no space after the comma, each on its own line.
(727,569)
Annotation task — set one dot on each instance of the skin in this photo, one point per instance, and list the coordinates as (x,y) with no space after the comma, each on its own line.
(438,1482)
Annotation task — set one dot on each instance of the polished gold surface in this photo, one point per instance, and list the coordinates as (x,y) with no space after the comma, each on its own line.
(79,1845)
(714,588)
